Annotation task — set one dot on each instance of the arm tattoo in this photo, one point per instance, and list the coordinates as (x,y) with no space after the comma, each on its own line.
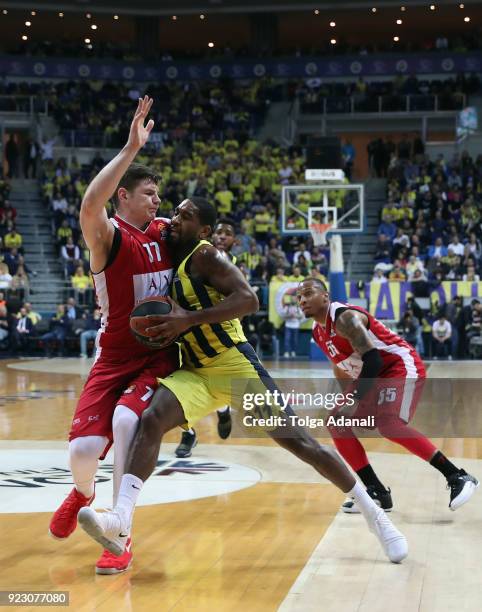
(350,326)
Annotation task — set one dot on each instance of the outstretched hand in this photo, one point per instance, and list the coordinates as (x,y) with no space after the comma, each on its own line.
(139,133)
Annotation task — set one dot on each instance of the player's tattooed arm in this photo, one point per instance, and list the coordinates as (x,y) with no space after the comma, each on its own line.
(351,324)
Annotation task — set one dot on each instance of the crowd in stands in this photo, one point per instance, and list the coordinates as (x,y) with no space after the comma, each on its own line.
(430,231)
(243,179)
(70,331)
(63,47)
(14,272)
(338,96)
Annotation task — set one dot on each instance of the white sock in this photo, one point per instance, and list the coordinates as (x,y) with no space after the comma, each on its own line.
(191,431)
(124,426)
(224,410)
(366,504)
(126,500)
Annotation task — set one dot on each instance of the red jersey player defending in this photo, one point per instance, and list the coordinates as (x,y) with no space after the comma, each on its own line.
(365,350)
(130,261)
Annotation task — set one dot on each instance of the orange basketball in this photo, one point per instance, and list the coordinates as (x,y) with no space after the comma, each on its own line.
(156,305)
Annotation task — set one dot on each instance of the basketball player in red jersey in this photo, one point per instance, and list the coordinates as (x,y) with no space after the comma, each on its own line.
(130,261)
(224,237)
(363,349)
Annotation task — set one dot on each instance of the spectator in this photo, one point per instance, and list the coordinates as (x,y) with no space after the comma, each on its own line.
(35,317)
(456,246)
(437,249)
(12,155)
(296,276)
(20,283)
(63,233)
(70,253)
(420,286)
(379,276)
(387,227)
(292,316)
(409,328)
(60,325)
(22,331)
(383,249)
(397,273)
(92,326)
(4,326)
(301,251)
(13,240)
(473,324)
(30,157)
(71,309)
(470,275)
(5,277)
(454,314)
(442,334)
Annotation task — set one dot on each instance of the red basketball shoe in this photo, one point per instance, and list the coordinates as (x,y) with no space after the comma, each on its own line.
(110,564)
(64,521)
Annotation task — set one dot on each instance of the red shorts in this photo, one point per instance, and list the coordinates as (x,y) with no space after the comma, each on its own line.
(112,382)
(392,401)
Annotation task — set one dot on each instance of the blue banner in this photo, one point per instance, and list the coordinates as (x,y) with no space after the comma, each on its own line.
(354,66)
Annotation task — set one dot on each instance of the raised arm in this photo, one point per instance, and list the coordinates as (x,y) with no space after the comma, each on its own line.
(98,232)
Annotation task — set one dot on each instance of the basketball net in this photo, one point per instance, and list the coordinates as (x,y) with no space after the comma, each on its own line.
(319,233)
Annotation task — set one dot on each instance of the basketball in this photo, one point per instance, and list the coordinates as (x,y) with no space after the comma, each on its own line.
(157,305)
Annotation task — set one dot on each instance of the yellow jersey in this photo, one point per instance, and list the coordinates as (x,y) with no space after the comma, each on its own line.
(202,342)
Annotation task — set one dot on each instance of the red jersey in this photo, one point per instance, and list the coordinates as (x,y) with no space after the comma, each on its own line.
(400,359)
(139,266)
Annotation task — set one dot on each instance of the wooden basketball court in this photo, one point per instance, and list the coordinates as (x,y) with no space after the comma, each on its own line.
(241,525)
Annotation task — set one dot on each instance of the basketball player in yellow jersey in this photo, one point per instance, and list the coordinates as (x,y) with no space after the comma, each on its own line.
(211,295)
(224,237)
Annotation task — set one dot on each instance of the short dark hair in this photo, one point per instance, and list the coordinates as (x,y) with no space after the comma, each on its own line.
(206,211)
(317,281)
(226,221)
(135,174)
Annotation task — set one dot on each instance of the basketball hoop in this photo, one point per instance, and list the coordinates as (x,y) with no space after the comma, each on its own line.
(319,231)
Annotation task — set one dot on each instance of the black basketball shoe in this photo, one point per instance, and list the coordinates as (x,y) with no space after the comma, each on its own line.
(382,498)
(462,486)
(224,423)
(188,442)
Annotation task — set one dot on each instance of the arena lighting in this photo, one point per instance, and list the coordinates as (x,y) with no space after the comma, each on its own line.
(461,6)
(28,23)
(332,24)
(116,17)
(333,41)
(61,14)
(467,19)
(403,8)
(202,16)
(93,27)
(87,41)
(374,9)
(396,38)
(399,22)
(432,7)
(317,12)
(210,44)
(33,13)
(24,37)
(89,16)
(174,17)
(5,12)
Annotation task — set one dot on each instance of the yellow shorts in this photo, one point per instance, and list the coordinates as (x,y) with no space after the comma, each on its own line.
(221,382)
